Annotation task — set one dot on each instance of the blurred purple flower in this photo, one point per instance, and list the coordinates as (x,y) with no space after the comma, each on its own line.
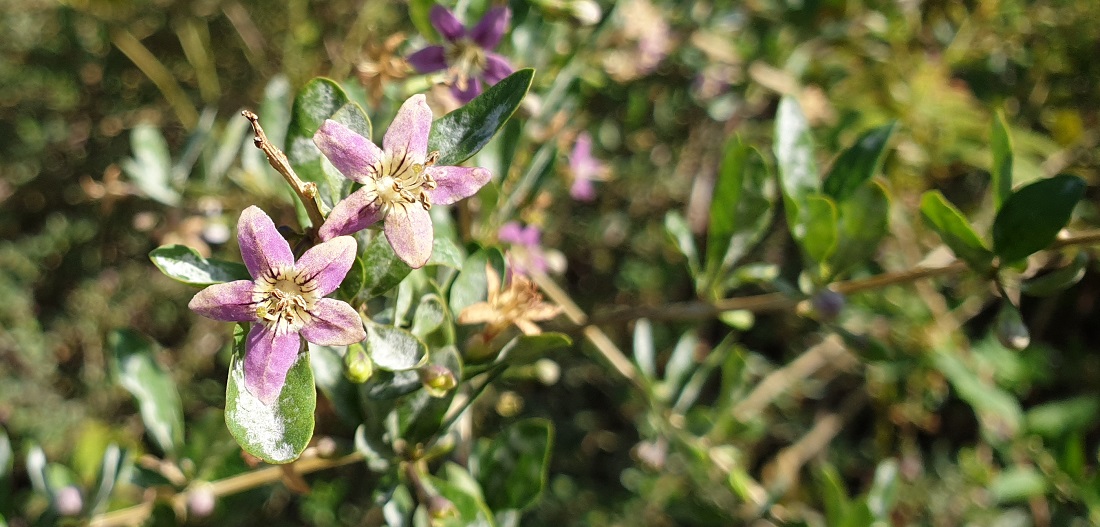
(585,169)
(526,255)
(399,181)
(284,301)
(466,54)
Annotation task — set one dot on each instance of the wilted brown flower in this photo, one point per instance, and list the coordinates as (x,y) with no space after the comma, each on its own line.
(519,304)
(380,65)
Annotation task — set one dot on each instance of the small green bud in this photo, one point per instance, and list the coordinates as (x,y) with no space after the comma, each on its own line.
(437,380)
(440,508)
(357,364)
(1010,328)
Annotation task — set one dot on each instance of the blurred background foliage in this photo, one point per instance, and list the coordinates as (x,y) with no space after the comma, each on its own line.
(93,90)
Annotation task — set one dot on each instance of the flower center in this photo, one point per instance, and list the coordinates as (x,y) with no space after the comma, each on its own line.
(467,59)
(284,299)
(403,181)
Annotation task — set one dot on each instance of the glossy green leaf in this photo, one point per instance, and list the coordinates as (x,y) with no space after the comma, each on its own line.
(135,369)
(677,228)
(513,468)
(150,169)
(319,100)
(471,285)
(954,230)
(1057,280)
(794,154)
(386,385)
(277,433)
(645,354)
(383,269)
(1031,217)
(430,314)
(741,208)
(394,349)
(328,375)
(445,253)
(1009,327)
(1000,143)
(353,281)
(858,164)
(460,134)
(182,263)
(820,215)
(525,349)
(35,465)
(864,222)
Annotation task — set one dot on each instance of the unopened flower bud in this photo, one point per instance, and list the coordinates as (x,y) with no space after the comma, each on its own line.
(437,380)
(827,305)
(1010,328)
(440,508)
(200,501)
(69,501)
(358,367)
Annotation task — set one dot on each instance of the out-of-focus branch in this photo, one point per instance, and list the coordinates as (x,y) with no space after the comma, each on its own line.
(307,192)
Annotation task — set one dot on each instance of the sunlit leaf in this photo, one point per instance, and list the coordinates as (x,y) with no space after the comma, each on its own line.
(1000,143)
(820,214)
(394,349)
(678,230)
(460,134)
(954,230)
(151,167)
(794,152)
(858,164)
(864,222)
(1031,217)
(135,368)
(383,270)
(741,208)
(182,263)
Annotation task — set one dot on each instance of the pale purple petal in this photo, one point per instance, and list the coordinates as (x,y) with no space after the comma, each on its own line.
(228,302)
(408,133)
(455,183)
(580,160)
(262,247)
(268,358)
(582,190)
(429,59)
(355,156)
(496,68)
(466,94)
(446,24)
(409,231)
(326,264)
(510,232)
(487,33)
(334,323)
(355,213)
(531,236)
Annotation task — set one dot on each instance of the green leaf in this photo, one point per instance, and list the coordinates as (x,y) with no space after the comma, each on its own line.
(859,163)
(1031,217)
(383,269)
(471,284)
(394,349)
(677,228)
(525,349)
(794,154)
(328,374)
(460,134)
(136,370)
(353,281)
(7,463)
(645,354)
(445,253)
(954,230)
(864,222)
(277,433)
(513,468)
(112,466)
(1057,280)
(419,14)
(998,411)
(741,208)
(820,215)
(1000,143)
(319,100)
(1060,418)
(884,490)
(182,263)
(151,167)
(1017,484)
(472,510)
(430,314)
(421,415)
(834,495)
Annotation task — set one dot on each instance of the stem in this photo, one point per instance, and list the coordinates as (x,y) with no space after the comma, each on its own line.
(307,192)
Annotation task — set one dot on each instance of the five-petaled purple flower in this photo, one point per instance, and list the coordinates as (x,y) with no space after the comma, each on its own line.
(466,54)
(526,255)
(285,301)
(399,181)
(585,169)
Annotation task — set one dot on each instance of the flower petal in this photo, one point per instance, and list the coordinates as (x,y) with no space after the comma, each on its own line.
(455,183)
(510,232)
(446,24)
(408,133)
(496,68)
(353,214)
(355,156)
(488,31)
(326,264)
(334,323)
(467,93)
(409,231)
(269,357)
(262,247)
(429,59)
(228,302)
(582,190)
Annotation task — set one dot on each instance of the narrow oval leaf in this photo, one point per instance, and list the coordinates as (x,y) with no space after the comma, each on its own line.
(182,263)
(864,222)
(859,163)
(328,374)
(794,154)
(741,208)
(136,370)
(512,470)
(151,167)
(1057,280)
(820,215)
(277,433)
(954,230)
(1031,217)
(394,349)
(462,133)
(677,228)
(1000,143)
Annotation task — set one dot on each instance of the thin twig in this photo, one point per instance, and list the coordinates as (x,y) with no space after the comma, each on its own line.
(786,465)
(828,351)
(307,192)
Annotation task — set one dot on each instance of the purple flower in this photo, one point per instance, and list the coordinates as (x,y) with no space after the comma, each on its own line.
(526,254)
(284,301)
(466,54)
(585,169)
(399,181)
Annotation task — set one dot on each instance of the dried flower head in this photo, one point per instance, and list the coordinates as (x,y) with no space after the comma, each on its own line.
(380,65)
(519,304)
